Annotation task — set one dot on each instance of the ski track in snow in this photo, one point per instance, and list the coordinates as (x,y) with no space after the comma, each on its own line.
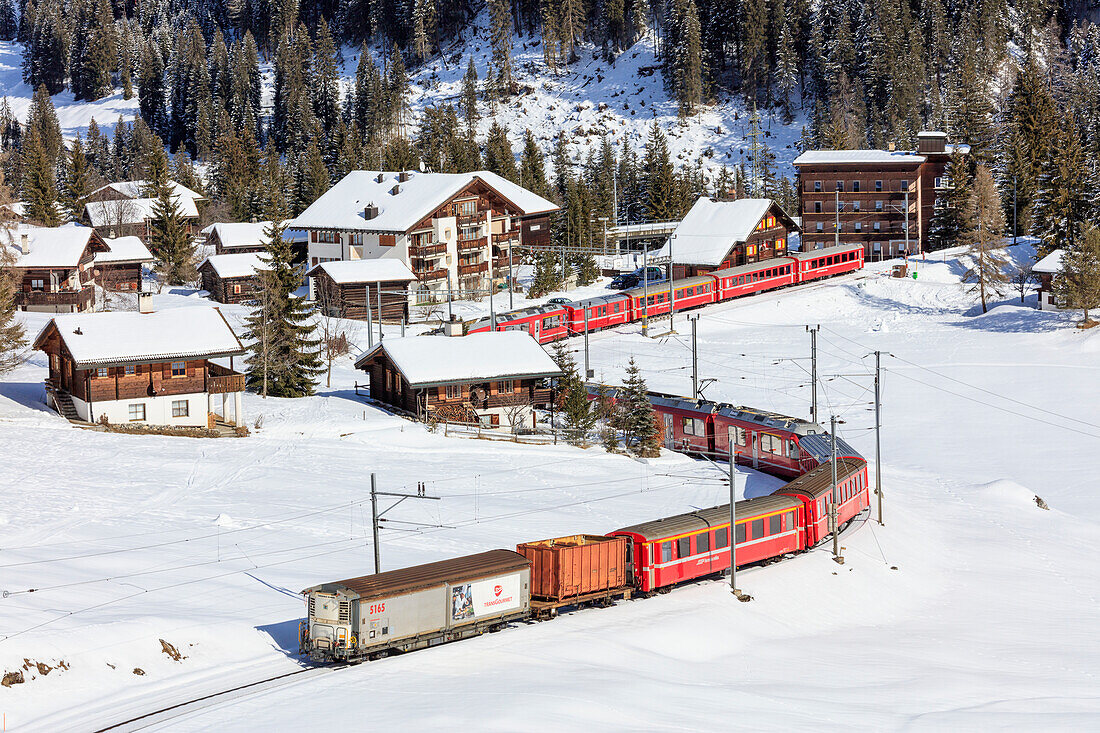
(987,621)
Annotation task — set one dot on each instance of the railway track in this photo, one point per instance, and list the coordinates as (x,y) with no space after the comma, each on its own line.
(194,705)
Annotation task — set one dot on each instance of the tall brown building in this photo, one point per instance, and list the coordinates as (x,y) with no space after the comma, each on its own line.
(882,199)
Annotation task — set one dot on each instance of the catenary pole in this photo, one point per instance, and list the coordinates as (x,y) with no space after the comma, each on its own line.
(836,221)
(511,275)
(733,520)
(645,291)
(370,322)
(878,429)
(833,499)
(813,371)
(1014,209)
(374,523)
(587,364)
(907,219)
(694,356)
(378,299)
(450,311)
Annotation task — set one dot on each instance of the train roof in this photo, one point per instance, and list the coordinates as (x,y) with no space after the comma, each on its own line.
(820,447)
(598,300)
(519,314)
(819,481)
(796,425)
(810,254)
(663,285)
(718,516)
(407,580)
(753,267)
(683,403)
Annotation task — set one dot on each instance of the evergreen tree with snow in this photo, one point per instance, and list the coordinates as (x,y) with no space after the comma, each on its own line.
(1031,121)
(45,52)
(77,180)
(325,84)
(9,25)
(500,35)
(659,177)
(39,181)
(987,274)
(683,55)
(313,178)
(469,98)
(547,277)
(498,153)
(951,210)
(168,237)
(1078,284)
(1062,199)
(635,416)
(532,167)
(152,99)
(424,29)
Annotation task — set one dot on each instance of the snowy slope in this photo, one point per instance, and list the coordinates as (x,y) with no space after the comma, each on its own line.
(971,608)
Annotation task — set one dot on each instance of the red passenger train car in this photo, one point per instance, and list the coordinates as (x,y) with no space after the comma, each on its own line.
(605,311)
(815,490)
(819,263)
(656,300)
(734,282)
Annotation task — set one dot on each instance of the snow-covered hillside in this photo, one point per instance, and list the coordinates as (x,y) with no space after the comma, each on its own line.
(581,101)
(971,608)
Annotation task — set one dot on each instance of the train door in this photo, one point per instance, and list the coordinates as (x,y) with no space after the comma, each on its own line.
(755,449)
(670,438)
(710,436)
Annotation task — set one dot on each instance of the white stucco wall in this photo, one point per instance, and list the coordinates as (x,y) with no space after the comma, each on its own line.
(158,410)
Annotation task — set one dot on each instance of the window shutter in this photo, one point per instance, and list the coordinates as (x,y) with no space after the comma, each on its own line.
(313,236)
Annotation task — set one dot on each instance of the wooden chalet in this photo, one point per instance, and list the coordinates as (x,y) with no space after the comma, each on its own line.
(231,278)
(718,234)
(121,268)
(55,267)
(494,378)
(1046,271)
(124,208)
(143,367)
(342,289)
(450,229)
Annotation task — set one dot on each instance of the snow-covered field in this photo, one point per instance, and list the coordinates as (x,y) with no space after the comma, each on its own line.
(971,608)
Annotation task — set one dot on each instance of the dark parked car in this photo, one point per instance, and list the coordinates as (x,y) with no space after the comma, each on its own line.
(635,279)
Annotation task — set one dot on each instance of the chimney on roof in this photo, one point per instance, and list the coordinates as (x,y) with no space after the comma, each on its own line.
(145,302)
(403,176)
(891,146)
(370,211)
(452,327)
(395,190)
(380,177)
(25,243)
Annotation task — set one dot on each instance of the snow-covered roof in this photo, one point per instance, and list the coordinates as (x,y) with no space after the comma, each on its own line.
(138,189)
(711,228)
(365,271)
(132,211)
(49,246)
(425,361)
(342,206)
(240,234)
(124,249)
(235,264)
(1051,264)
(118,337)
(825,157)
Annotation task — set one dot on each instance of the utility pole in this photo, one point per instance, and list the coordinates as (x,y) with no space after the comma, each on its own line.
(813,371)
(587,365)
(907,219)
(645,282)
(511,276)
(378,299)
(376,516)
(694,356)
(836,222)
(878,429)
(833,499)
(1013,209)
(733,522)
(370,323)
(492,311)
(563,275)
(450,311)
(671,289)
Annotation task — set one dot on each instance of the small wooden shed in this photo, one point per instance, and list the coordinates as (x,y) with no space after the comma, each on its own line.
(231,278)
(341,288)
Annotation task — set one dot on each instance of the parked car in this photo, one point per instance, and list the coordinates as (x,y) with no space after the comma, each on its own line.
(558,301)
(636,279)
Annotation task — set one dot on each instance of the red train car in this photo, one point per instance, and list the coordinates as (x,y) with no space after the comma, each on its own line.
(675,549)
(829,261)
(687,425)
(691,292)
(545,323)
(734,282)
(814,490)
(605,311)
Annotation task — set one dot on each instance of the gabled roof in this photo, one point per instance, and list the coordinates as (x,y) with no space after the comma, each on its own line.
(825,157)
(129,337)
(426,361)
(240,234)
(342,206)
(710,230)
(132,211)
(51,246)
(1051,264)
(344,272)
(124,250)
(138,189)
(235,264)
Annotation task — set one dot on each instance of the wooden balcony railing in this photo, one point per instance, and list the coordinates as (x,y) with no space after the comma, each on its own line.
(83,298)
(473,269)
(426,275)
(222,381)
(427,250)
(465,245)
(470,219)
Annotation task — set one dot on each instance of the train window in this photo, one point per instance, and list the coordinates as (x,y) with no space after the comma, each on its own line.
(790,520)
(683,547)
(771,444)
(775,524)
(661,297)
(722,537)
(740,536)
(689,426)
(702,542)
(792,449)
(666,551)
(757,528)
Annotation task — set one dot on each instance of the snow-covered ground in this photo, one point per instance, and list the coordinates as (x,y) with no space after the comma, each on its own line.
(971,608)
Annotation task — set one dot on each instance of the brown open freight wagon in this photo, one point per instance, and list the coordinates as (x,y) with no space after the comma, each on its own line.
(569,571)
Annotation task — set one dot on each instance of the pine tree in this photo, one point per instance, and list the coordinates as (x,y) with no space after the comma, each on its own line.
(754,57)
(9,26)
(532,167)
(683,55)
(168,237)
(659,177)
(951,211)
(42,119)
(325,87)
(500,35)
(45,53)
(469,98)
(313,177)
(576,408)
(284,357)
(636,417)
(39,181)
(1031,122)
(1078,285)
(190,122)
(786,68)
(152,102)
(498,153)
(1062,200)
(77,180)
(425,23)
(245,86)
(13,338)
(547,277)
(987,274)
